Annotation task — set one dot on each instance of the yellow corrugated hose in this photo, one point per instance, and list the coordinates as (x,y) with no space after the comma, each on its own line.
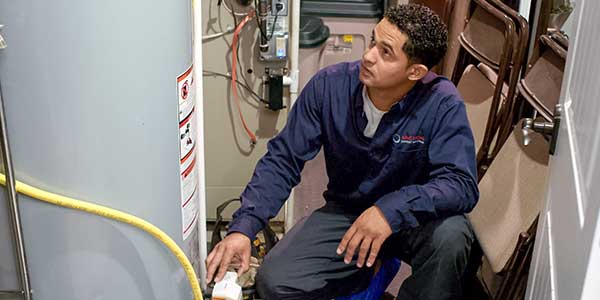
(118,216)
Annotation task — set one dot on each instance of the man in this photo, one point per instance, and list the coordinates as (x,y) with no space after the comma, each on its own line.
(401,164)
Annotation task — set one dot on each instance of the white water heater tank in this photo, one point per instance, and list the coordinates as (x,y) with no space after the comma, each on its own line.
(99,104)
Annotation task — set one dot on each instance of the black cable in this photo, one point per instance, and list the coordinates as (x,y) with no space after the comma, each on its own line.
(258,22)
(235,23)
(245,84)
(273,27)
(254,94)
(248,88)
(262,33)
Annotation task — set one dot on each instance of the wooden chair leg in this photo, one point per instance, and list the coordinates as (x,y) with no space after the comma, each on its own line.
(509,281)
(514,283)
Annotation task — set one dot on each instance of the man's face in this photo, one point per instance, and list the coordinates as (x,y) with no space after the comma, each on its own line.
(384,63)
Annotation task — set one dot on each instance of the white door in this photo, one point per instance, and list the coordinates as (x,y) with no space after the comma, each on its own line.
(566,259)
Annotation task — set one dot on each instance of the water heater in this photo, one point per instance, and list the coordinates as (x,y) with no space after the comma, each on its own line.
(99,97)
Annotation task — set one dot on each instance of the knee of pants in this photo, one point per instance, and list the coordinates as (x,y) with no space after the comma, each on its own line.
(264,283)
(270,283)
(453,238)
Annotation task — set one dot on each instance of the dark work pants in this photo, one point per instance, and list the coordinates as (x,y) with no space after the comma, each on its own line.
(304,264)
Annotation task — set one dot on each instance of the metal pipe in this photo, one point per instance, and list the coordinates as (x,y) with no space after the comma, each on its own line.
(9,293)
(12,203)
(263,12)
(294,70)
(202,231)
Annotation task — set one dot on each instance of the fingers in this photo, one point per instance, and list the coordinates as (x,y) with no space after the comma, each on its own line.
(211,255)
(366,235)
(362,252)
(245,265)
(375,246)
(227,256)
(352,245)
(344,243)
(233,250)
(212,261)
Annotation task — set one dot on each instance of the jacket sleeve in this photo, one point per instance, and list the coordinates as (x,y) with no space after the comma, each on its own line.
(451,187)
(278,171)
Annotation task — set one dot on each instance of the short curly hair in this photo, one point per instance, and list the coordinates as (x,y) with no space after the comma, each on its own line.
(427,34)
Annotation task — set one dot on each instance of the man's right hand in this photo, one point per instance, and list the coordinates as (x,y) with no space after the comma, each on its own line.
(234,248)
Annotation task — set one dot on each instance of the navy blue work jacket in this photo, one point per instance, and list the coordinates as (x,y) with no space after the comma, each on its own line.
(419,165)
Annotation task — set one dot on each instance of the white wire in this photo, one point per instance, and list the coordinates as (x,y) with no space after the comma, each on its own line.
(231,11)
(229,30)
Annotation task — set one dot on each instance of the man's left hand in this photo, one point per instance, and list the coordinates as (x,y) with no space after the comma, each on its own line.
(368,232)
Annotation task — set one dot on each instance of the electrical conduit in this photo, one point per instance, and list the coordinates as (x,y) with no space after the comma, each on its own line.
(234,43)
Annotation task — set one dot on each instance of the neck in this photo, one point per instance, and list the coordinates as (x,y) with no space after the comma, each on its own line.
(384,99)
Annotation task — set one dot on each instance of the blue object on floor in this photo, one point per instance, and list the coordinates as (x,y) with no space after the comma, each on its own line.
(379,283)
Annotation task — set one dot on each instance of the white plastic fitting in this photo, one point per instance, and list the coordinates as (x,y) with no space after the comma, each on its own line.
(227,289)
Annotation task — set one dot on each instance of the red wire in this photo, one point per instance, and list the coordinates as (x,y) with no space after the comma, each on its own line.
(234,75)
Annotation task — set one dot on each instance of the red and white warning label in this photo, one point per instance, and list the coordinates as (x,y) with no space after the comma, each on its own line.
(187,152)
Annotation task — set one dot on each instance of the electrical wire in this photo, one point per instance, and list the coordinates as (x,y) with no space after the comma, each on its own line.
(114,214)
(234,76)
(243,75)
(218,34)
(231,11)
(241,69)
(272,28)
(259,23)
(242,84)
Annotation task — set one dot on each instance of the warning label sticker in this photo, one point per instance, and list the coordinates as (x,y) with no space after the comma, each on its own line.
(187,152)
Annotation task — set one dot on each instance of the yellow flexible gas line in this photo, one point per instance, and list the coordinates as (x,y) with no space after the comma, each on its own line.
(118,216)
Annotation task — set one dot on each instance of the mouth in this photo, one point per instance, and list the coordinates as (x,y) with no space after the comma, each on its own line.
(365,70)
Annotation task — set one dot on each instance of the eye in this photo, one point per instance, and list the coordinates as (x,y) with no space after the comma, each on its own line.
(372,42)
(386,52)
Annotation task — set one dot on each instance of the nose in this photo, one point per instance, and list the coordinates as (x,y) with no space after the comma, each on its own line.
(370,56)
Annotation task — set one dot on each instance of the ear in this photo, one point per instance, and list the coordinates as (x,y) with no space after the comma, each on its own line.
(417,71)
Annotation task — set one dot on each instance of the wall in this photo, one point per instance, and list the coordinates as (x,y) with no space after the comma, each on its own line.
(230,160)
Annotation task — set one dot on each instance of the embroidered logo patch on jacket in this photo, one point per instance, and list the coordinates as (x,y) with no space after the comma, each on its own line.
(409,139)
